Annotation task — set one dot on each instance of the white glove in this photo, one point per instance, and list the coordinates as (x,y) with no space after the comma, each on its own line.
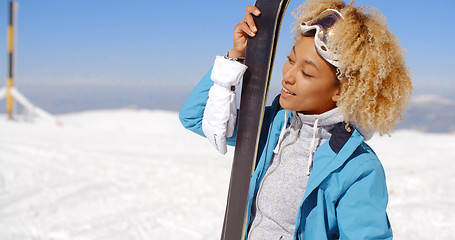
(220,112)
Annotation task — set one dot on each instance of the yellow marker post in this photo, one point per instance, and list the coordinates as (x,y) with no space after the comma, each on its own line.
(11,40)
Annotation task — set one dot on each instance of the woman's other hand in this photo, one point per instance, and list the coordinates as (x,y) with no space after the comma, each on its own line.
(245,28)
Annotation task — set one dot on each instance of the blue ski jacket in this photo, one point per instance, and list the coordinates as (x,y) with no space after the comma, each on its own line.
(346,195)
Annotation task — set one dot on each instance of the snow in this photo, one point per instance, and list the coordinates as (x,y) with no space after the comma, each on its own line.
(137,174)
(419,169)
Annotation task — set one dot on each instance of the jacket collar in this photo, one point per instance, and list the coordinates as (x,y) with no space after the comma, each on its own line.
(333,154)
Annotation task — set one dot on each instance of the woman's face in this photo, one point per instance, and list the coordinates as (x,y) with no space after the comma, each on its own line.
(309,82)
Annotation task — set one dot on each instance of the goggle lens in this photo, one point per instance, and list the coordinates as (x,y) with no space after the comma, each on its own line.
(323,24)
(325,21)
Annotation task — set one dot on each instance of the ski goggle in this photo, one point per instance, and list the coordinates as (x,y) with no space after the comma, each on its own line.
(323,24)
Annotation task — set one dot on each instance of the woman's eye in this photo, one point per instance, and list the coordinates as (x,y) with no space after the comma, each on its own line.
(290,60)
(306,74)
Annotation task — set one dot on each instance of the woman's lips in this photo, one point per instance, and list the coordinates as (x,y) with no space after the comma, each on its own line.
(286,91)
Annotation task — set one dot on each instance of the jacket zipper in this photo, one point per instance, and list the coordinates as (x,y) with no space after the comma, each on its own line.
(270,171)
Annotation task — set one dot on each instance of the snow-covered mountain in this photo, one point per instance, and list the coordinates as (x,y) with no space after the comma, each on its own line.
(136,174)
(430,113)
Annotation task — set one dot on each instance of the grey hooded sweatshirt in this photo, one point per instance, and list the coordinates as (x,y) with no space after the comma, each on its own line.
(283,187)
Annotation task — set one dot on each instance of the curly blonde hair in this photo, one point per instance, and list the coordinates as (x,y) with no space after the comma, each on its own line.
(374,80)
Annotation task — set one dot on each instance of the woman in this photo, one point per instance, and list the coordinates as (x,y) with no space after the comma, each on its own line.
(316,178)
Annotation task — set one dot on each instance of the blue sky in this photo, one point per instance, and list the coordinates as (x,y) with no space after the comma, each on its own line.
(173,43)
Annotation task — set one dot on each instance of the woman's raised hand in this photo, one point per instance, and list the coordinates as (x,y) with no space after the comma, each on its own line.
(245,28)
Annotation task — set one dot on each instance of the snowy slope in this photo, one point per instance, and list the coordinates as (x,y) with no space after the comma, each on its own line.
(136,174)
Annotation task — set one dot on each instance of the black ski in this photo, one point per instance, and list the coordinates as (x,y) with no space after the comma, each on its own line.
(260,54)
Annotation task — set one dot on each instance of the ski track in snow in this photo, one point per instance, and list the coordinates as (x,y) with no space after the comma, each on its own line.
(137,174)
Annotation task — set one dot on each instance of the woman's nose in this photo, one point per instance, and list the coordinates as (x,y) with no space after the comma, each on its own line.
(289,75)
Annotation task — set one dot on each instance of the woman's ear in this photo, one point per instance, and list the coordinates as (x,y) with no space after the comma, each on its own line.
(336,95)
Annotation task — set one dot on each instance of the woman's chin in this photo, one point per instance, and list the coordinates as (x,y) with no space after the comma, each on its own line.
(285,104)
